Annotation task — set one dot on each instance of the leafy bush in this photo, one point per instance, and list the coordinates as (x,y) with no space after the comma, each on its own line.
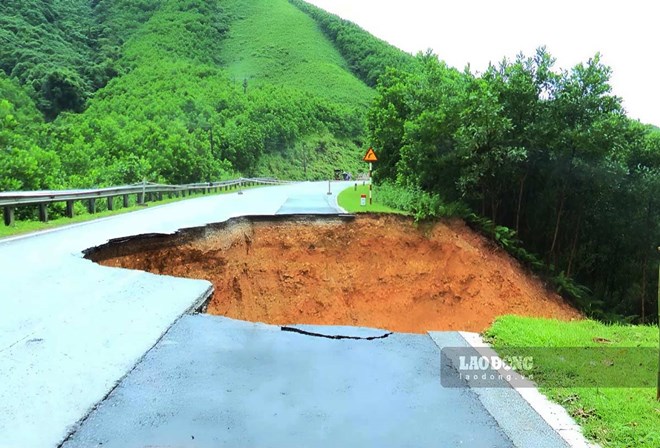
(418,203)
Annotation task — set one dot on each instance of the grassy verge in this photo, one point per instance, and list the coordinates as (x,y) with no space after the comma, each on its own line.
(610,416)
(349,200)
(23,227)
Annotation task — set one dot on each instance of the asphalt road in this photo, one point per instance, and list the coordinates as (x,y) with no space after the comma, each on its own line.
(215,382)
(70,329)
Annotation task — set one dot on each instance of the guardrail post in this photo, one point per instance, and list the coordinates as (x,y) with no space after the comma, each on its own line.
(240,187)
(160,195)
(125,198)
(140,198)
(9,215)
(69,209)
(91,206)
(43,212)
(111,203)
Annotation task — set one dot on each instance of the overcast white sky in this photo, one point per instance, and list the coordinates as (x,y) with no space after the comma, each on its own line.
(625,32)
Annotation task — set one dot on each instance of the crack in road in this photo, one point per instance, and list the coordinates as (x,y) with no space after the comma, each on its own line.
(327,336)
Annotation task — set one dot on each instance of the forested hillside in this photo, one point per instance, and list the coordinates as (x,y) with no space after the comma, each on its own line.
(548,155)
(108,92)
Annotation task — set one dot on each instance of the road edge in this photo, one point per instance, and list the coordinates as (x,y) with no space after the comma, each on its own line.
(195,307)
(554,415)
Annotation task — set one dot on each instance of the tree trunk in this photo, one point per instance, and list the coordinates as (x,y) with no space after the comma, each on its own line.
(560,212)
(562,201)
(646,256)
(520,196)
(573,247)
(211,139)
(644,268)
(493,208)
(483,202)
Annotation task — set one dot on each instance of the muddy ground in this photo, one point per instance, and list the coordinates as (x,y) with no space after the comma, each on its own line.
(375,271)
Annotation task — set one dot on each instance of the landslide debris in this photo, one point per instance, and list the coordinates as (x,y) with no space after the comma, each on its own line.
(380,271)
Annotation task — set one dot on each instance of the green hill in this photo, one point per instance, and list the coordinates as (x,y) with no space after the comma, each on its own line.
(182,90)
(272,42)
(367,56)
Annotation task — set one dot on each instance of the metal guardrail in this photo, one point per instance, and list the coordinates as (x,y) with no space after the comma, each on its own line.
(145,191)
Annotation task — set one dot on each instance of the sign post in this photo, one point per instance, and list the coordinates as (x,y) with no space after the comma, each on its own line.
(370,157)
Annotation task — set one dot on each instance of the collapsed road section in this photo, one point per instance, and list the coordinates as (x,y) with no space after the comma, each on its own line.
(381,271)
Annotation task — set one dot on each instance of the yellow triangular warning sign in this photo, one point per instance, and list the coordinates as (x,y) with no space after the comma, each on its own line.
(370,156)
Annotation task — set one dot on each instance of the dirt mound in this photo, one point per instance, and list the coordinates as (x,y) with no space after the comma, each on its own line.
(374,270)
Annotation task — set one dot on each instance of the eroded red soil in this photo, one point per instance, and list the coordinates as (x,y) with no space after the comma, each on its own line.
(376,271)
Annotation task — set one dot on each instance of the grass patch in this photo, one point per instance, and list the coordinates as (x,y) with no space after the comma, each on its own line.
(25,227)
(349,200)
(612,417)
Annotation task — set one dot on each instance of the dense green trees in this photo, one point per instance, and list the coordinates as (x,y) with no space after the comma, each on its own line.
(24,164)
(139,89)
(549,153)
(48,47)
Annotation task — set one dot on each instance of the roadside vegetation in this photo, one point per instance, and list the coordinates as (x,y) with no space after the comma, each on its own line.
(611,416)
(349,200)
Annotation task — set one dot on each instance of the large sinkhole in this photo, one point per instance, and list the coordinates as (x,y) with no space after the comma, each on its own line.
(378,271)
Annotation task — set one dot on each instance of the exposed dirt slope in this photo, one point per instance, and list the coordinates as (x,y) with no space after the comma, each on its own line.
(376,271)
